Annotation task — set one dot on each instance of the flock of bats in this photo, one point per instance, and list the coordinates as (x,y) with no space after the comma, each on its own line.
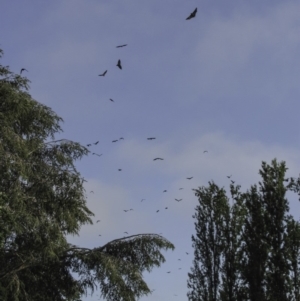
(119,65)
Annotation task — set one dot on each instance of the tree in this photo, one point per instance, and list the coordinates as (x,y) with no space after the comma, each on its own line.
(205,276)
(42,199)
(293,246)
(231,288)
(254,252)
(261,242)
(272,194)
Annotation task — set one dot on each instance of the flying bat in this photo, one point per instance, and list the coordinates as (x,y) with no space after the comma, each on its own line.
(169,272)
(157,211)
(166,208)
(180,188)
(98,221)
(126,232)
(205,151)
(111,100)
(192,15)
(103,74)
(142,200)
(187,253)
(125,210)
(151,138)
(232,181)
(23,69)
(91,191)
(97,154)
(165,191)
(178,200)
(114,140)
(229,176)
(119,169)
(119,64)
(120,46)
(96,143)
(88,145)
(121,138)
(157,159)
(190,178)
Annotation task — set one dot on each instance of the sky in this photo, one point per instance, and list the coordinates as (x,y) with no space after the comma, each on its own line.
(226,81)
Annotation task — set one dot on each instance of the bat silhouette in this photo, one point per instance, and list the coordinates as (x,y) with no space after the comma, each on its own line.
(157,159)
(103,74)
(91,191)
(190,178)
(98,221)
(166,208)
(142,200)
(114,140)
(165,191)
(192,15)
(126,232)
(180,188)
(97,154)
(96,143)
(205,151)
(120,46)
(119,64)
(111,100)
(23,69)
(99,234)
(121,138)
(119,169)
(232,181)
(151,138)
(187,253)
(125,210)
(229,176)
(169,272)
(88,145)
(178,200)
(157,211)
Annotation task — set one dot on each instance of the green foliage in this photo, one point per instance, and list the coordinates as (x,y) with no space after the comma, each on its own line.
(42,199)
(209,242)
(260,242)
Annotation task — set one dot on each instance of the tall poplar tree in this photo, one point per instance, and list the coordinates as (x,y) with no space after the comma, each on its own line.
(231,288)
(273,191)
(261,242)
(210,214)
(42,200)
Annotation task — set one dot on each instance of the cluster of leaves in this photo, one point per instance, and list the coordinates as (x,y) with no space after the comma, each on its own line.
(42,200)
(250,251)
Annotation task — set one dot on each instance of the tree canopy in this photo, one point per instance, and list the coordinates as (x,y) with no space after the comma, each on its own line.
(42,200)
(251,250)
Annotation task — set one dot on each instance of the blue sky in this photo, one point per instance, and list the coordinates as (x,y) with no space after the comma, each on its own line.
(226,81)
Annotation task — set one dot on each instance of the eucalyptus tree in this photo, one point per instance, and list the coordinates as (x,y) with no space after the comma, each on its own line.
(42,200)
